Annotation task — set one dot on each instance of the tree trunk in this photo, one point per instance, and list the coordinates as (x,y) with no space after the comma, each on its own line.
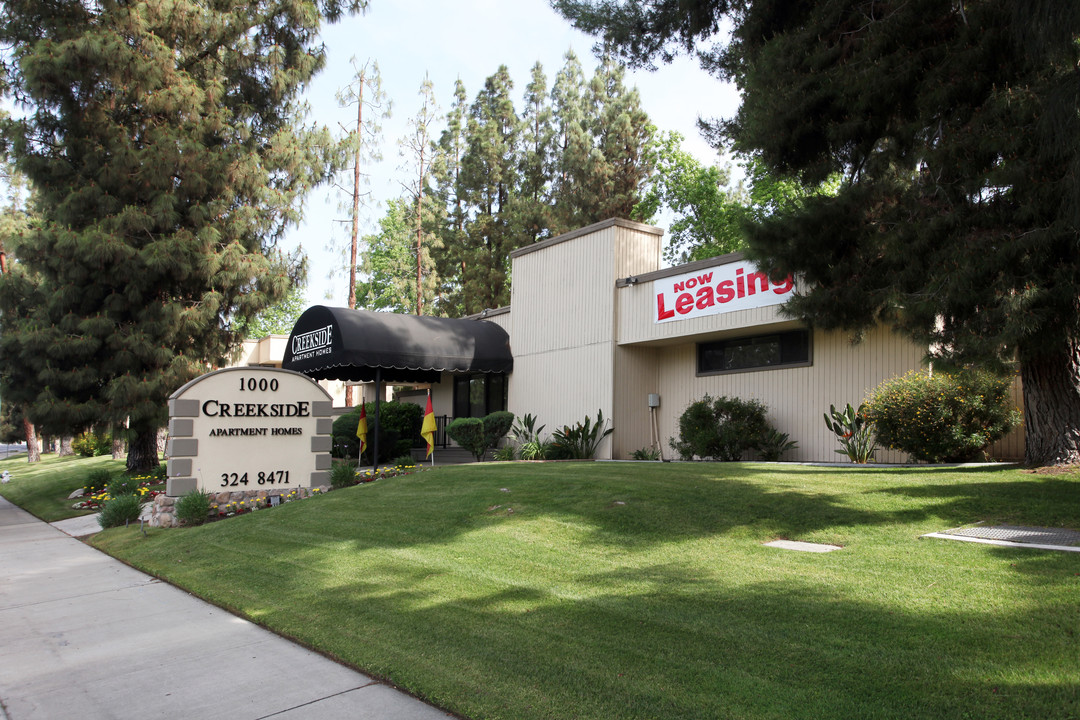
(33,453)
(143,451)
(65,446)
(1052,407)
(118,444)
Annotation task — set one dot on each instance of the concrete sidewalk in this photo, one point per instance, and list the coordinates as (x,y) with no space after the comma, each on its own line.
(84,636)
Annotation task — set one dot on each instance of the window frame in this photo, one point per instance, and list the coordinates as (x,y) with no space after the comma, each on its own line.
(701,348)
(466,379)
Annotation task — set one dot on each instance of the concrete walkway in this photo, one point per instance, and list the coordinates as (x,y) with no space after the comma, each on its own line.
(84,636)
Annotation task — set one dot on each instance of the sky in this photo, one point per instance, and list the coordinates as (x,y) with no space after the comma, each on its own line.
(467,39)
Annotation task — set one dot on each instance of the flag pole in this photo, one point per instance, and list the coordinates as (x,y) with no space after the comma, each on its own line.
(427,430)
(375,453)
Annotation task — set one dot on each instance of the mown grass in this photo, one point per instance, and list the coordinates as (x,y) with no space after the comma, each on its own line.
(601,590)
(42,488)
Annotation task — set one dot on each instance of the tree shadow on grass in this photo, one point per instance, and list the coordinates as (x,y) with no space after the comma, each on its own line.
(1040,501)
(607,506)
(686,649)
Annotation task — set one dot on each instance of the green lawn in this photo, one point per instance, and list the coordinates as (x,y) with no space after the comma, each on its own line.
(43,487)
(610,590)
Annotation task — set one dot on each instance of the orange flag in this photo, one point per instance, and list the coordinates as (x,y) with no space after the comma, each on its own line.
(361,429)
(427,430)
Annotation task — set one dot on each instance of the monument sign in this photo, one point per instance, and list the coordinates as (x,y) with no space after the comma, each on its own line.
(249,429)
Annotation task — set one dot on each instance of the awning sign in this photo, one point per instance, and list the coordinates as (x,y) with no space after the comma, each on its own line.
(715,290)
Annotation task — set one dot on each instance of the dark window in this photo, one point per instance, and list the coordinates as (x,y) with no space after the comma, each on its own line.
(479,395)
(754,352)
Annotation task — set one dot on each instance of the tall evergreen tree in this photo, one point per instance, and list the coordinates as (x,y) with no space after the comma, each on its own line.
(574,147)
(532,202)
(362,143)
(489,177)
(955,126)
(623,136)
(418,150)
(446,170)
(168,149)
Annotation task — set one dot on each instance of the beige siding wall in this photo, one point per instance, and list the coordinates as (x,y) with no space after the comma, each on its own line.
(841,373)
(563,322)
(561,387)
(563,296)
(637,375)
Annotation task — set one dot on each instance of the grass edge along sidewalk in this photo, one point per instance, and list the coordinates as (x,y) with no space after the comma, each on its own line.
(42,488)
(644,591)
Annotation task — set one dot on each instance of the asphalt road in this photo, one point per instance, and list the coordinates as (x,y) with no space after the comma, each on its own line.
(6,450)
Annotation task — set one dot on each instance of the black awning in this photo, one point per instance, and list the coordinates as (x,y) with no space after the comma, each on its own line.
(341,344)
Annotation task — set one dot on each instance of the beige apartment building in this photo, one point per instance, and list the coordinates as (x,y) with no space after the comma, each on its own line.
(595,323)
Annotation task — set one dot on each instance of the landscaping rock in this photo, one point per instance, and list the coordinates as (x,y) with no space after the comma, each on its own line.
(77,494)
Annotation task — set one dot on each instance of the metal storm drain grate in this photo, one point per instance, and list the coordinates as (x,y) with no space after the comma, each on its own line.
(1041,538)
(1021,534)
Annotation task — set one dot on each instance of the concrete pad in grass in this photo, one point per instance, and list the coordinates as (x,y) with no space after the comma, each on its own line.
(802,546)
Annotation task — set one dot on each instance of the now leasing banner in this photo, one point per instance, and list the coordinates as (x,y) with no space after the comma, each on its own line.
(720,289)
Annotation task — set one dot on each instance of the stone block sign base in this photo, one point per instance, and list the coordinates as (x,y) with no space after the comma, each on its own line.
(163,513)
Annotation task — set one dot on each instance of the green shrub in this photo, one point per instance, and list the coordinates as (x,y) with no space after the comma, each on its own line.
(96,481)
(773,444)
(403,461)
(469,434)
(496,425)
(122,485)
(507,453)
(119,510)
(720,429)
(852,431)
(399,431)
(580,441)
(477,435)
(942,417)
(342,475)
(527,436)
(92,444)
(193,508)
(647,453)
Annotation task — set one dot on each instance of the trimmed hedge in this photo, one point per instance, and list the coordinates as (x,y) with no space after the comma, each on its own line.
(399,431)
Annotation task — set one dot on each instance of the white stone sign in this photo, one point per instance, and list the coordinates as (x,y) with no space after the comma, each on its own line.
(249,429)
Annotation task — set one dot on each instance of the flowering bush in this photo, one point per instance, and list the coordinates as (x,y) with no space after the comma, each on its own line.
(942,417)
(96,493)
(92,444)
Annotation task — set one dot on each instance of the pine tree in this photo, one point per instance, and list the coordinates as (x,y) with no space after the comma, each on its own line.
(488,180)
(361,142)
(623,136)
(573,148)
(532,202)
(446,170)
(418,150)
(955,127)
(169,154)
